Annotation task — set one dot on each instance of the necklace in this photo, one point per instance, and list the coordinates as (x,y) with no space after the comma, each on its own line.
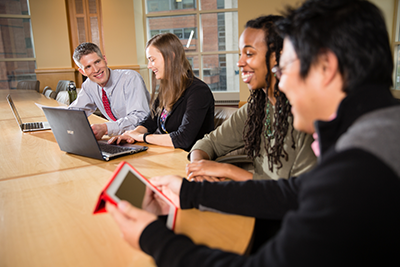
(268,132)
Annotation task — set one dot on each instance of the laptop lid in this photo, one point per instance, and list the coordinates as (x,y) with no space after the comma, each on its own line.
(44,125)
(73,133)
(14,110)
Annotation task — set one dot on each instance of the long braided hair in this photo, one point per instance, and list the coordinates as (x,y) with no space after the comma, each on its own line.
(257,115)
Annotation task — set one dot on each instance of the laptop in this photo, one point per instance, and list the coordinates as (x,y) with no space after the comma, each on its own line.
(73,133)
(28,126)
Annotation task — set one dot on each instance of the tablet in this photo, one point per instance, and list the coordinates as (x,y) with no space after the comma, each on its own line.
(128,184)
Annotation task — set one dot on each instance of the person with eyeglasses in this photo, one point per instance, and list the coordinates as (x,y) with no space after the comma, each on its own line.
(263,126)
(336,62)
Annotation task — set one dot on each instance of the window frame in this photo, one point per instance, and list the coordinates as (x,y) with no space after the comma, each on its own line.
(5,16)
(396,43)
(20,16)
(232,96)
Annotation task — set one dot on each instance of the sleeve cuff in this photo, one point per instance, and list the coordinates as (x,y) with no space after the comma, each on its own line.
(153,232)
(113,129)
(187,194)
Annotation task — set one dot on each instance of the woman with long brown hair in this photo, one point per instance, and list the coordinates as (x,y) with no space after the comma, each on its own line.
(263,126)
(183,110)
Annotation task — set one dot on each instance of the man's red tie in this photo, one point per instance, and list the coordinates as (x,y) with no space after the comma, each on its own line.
(106,104)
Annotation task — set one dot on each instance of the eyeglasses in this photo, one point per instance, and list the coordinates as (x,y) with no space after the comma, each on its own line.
(277,71)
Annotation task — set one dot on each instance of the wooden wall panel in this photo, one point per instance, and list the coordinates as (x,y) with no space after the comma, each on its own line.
(50,77)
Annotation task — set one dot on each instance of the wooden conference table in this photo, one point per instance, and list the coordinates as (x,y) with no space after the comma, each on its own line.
(47,198)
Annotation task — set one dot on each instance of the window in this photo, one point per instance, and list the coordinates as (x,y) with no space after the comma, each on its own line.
(396,46)
(85,22)
(208,30)
(17,56)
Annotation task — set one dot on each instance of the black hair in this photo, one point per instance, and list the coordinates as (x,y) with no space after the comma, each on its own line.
(354,30)
(257,117)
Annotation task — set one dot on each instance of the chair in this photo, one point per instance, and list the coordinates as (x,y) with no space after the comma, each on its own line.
(63,97)
(48,92)
(29,85)
(221,114)
(62,85)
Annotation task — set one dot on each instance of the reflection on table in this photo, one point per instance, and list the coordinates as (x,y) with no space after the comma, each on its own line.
(47,198)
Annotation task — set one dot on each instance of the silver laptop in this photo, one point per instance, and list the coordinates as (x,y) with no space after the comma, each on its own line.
(73,133)
(27,126)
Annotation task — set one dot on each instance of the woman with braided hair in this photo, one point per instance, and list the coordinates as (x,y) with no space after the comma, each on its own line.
(263,126)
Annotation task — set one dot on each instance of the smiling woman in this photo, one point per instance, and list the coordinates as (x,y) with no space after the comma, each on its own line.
(183,110)
(263,127)
(156,62)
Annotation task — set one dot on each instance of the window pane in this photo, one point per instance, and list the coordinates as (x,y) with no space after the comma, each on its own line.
(80,22)
(218,4)
(154,6)
(92,7)
(397,35)
(16,40)
(12,7)
(154,32)
(220,31)
(194,61)
(13,71)
(221,73)
(397,68)
(190,33)
(94,28)
(174,25)
(179,33)
(79,6)
(15,43)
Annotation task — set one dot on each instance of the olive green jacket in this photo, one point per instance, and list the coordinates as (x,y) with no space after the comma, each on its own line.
(229,137)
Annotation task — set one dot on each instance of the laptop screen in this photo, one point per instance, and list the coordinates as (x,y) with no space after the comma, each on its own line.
(14,109)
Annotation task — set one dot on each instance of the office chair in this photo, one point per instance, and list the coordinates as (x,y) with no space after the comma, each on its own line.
(47,91)
(62,85)
(63,97)
(29,85)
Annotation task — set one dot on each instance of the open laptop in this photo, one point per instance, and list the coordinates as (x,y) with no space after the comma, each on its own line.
(28,126)
(74,135)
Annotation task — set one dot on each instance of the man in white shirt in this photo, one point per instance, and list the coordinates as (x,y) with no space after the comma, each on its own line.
(120,95)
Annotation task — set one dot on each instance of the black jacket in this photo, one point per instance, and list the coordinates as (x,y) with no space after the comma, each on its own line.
(191,117)
(345,212)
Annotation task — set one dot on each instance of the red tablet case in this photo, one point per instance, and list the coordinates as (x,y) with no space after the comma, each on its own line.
(101,202)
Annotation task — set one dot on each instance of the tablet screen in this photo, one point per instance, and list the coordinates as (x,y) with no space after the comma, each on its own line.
(132,190)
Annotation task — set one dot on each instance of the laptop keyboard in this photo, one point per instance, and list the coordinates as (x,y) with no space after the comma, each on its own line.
(113,149)
(33,125)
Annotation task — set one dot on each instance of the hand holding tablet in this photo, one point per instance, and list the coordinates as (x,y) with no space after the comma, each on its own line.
(128,184)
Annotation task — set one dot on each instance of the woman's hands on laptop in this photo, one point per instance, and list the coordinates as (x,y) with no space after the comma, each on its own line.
(129,136)
(124,138)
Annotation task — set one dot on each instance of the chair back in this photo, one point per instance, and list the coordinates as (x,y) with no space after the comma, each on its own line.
(47,91)
(62,85)
(63,97)
(29,85)
(221,114)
